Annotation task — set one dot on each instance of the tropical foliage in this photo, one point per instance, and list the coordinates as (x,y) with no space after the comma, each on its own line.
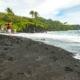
(9,11)
(22,23)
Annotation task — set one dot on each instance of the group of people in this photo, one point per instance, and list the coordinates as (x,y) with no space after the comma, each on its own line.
(7,28)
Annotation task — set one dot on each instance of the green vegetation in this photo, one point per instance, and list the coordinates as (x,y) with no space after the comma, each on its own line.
(21,23)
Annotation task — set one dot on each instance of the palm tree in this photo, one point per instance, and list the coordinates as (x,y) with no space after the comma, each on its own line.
(65,23)
(36,14)
(9,11)
(8,15)
(32,13)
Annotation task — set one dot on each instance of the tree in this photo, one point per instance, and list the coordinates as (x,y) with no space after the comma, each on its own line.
(32,13)
(36,14)
(65,23)
(9,11)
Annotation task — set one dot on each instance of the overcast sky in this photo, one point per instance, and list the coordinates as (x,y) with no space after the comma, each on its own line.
(62,10)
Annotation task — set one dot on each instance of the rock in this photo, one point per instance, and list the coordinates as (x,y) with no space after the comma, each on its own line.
(38,57)
(6,48)
(52,51)
(46,48)
(10,59)
(76,65)
(68,69)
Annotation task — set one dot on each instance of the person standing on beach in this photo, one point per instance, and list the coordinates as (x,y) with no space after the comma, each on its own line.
(9,28)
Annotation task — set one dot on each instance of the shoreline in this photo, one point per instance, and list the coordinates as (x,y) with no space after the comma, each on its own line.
(73,50)
(22,58)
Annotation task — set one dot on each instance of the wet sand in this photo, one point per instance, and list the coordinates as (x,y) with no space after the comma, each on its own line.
(25,59)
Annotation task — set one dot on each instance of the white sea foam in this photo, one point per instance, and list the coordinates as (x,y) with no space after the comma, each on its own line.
(54,36)
(77,56)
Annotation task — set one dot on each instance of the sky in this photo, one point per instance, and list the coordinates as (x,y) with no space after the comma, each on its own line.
(62,10)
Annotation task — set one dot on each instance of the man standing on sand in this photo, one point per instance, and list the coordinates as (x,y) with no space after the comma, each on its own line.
(9,28)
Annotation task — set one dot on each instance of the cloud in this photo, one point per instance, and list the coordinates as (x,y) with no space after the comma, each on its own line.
(63,10)
(49,6)
(70,15)
(71,18)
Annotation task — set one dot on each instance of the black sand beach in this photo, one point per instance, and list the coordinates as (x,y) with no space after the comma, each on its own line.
(24,59)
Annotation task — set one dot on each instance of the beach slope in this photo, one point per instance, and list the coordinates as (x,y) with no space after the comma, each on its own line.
(25,59)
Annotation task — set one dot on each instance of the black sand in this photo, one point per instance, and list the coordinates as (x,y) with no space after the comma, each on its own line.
(24,59)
